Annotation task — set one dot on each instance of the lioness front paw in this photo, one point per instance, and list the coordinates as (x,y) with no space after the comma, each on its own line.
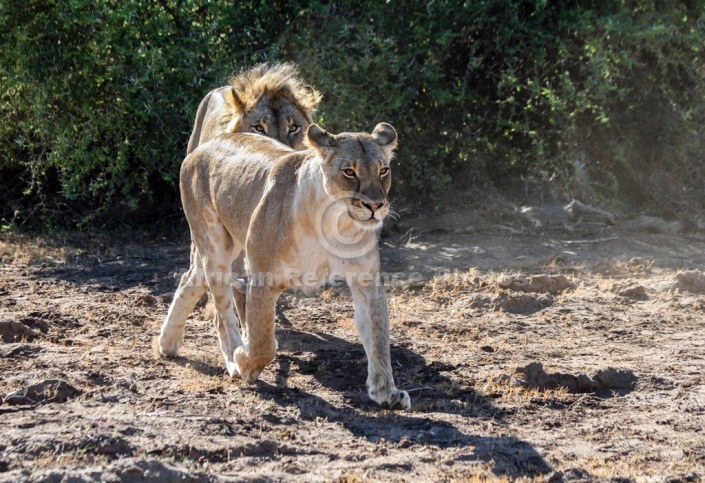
(391,398)
(399,399)
(247,370)
(166,346)
(232,369)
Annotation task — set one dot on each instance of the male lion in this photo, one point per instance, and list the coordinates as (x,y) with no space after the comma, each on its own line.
(302,218)
(268,100)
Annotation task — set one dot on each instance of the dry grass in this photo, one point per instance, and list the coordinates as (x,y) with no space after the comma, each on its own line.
(454,283)
(351,478)
(510,386)
(16,248)
(71,247)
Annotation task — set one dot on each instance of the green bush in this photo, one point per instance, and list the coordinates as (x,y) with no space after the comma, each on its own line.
(97,97)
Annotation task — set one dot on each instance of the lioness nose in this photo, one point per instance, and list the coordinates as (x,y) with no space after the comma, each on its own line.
(373,206)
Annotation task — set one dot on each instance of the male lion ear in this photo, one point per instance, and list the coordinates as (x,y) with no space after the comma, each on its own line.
(311,97)
(234,101)
(385,135)
(307,100)
(319,139)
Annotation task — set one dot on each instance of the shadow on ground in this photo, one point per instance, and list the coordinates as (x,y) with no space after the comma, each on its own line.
(341,366)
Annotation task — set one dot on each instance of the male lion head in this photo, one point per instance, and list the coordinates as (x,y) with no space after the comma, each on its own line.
(357,171)
(271,100)
(266,99)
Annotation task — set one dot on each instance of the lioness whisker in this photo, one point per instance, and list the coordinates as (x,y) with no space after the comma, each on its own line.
(393,214)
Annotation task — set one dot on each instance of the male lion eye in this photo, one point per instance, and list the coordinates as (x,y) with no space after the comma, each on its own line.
(349,172)
(293,129)
(383,172)
(259,128)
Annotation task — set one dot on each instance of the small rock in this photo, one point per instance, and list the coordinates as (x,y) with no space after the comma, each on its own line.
(19,350)
(577,474)
(632,291)
(516,382)
(147,299)
(554,477)
(12,331)
(614,378)
(521,303)
(48,391)
(553,284)
(692,281)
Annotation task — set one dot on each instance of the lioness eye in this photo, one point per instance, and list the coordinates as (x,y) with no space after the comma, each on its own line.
(259,128)
(383,172)
(349,172)
(294,128)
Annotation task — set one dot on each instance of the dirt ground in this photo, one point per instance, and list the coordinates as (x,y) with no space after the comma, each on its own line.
(536,346)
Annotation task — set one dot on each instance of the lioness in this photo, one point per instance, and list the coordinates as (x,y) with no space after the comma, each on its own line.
(268,100)
(302,218)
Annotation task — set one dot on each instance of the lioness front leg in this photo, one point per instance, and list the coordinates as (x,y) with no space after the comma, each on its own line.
(260,346)
(372,321)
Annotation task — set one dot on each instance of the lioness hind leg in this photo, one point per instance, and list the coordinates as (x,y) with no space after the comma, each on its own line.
(240,286)
(219,274)
(191,288)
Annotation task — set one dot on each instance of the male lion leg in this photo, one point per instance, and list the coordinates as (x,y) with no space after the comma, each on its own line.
(240,293)
(372,321)
(191,288)
(261,345)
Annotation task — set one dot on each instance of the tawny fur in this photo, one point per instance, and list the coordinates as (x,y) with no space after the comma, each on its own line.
(300,217)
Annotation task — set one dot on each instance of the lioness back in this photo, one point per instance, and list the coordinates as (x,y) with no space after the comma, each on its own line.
(208,172)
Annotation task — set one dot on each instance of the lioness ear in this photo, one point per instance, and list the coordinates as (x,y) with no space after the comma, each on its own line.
(385,135)
(233,99)
(319,139)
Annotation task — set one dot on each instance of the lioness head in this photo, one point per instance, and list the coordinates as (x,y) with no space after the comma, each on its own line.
(356,168)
